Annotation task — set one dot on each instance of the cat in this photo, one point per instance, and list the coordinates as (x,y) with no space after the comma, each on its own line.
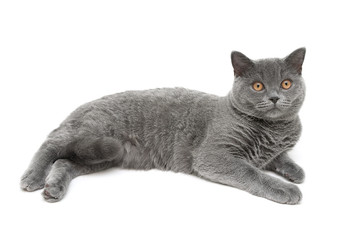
(230,140)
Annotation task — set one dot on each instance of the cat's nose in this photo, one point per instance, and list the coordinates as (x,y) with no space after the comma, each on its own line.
(274,99)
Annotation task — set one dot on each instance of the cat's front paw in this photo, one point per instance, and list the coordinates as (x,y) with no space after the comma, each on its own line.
(53,192)
(290,194)
(289,170)
(295,175)
(292,172)
(32,180)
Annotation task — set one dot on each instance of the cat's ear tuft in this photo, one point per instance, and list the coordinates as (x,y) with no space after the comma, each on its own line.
(295,59)
(240,63)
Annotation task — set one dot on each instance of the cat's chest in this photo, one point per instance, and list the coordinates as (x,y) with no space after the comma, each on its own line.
(259,143)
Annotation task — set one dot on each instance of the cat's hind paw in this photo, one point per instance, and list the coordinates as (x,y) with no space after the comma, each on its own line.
(32,180)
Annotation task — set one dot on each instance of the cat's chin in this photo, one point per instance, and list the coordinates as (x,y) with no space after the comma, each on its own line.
(273,114)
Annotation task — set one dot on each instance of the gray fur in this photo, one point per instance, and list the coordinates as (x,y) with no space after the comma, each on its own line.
(229,140)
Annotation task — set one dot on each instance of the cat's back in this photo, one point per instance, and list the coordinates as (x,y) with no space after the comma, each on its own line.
(163,104)
(160,99)
(159,102)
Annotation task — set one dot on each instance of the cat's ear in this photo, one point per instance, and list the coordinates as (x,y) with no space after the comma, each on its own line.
(240,63)
(295,59)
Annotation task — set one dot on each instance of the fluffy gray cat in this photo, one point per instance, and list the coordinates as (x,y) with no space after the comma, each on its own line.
(228,140)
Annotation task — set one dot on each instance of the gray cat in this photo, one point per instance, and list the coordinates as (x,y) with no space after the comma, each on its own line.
(228,140)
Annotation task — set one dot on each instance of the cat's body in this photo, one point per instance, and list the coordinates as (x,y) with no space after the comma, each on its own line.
(155,128)
(179,130)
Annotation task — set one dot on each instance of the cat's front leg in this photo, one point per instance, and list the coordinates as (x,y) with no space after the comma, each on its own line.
(219,166)
(284,166)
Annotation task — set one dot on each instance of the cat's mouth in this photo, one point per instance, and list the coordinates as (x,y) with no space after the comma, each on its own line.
(275,108)
(271,110)
(267,107)
(272,107)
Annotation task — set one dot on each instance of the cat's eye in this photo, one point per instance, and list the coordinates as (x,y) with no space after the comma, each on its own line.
(286,84)
(258,86)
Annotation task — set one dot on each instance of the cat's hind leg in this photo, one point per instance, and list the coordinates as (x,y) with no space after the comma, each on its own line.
(62,144)
(61,174)
(87,154)
(286,168)
(92,149)
(34,176)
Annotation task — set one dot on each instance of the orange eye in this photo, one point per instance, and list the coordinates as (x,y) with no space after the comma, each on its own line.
(258,86)
(286,84)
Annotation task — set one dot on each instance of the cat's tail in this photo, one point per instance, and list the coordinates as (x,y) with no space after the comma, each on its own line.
(93,150)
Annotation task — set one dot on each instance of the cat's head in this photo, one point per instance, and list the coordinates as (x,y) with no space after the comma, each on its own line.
(270,89)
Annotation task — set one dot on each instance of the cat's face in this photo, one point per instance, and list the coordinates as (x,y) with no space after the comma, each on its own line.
(271,89)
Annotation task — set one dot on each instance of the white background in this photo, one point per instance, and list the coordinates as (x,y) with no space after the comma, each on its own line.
(56,55)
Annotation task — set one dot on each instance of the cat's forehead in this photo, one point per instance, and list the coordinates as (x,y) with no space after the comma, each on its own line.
(269,69)
(269,64)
